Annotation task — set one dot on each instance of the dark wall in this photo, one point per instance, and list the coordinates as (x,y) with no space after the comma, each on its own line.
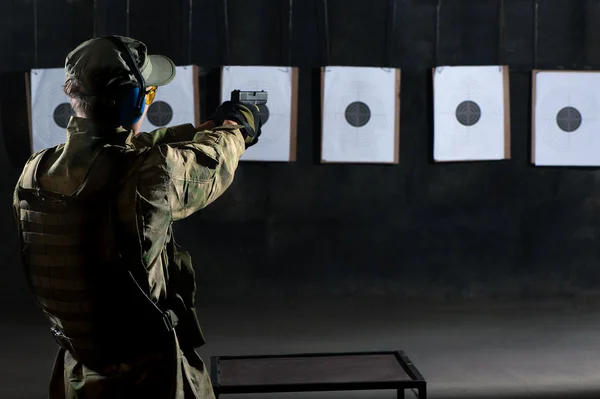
(469,230)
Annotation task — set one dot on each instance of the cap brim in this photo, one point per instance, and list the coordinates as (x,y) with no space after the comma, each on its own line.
(162,72)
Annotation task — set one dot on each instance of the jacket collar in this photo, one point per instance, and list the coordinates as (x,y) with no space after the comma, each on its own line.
(82,132)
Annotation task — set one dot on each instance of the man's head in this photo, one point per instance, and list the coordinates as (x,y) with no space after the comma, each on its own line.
(102,83)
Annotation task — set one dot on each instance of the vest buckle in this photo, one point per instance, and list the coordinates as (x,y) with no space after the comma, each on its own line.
(170,320)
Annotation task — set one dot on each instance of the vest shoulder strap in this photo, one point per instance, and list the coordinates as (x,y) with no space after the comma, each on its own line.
(28,177)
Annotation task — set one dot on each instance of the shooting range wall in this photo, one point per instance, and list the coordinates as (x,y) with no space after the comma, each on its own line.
(417,229)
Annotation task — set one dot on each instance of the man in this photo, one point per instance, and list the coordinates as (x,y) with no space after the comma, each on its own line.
(94,216)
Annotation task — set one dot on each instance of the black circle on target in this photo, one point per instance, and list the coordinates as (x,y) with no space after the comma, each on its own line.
(62,113)
(357,114)
(264,113)
(468,113)
(569,119)
(160,113)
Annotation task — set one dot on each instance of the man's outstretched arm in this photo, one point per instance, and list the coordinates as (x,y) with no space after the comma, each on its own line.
(246,115)
(169,135)
(200,170)
(192,174)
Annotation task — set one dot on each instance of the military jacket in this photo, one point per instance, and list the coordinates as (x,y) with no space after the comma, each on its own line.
(159,177)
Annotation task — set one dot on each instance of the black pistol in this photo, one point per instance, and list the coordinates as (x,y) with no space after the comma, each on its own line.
(249,97)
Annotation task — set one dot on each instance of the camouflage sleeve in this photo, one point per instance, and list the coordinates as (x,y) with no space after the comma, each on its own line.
(164,135)
(200,170)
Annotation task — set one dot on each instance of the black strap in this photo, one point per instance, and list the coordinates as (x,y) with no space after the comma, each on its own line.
(224,33)
(501,32)
(286,32)
(390,36)
(536,35)
(323,26)
(436,52)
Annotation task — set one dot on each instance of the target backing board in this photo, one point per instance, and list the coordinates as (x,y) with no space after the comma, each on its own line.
(50,108)
(277,142)
(176,103)
(471,113)
(361,115)
(566,118)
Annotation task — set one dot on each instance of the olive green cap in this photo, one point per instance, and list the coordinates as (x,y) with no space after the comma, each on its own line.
(99,65)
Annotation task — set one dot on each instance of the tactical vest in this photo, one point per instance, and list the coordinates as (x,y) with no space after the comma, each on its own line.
(97,310)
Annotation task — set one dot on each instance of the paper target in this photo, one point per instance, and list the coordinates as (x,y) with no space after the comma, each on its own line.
(360,115)
(50,108)
(470,113)
(176,103)
(566,118)
(277,142)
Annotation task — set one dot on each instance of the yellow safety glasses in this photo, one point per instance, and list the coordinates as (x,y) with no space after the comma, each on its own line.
(150,93)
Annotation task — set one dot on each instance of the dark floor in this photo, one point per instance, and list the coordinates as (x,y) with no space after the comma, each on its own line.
(541,350)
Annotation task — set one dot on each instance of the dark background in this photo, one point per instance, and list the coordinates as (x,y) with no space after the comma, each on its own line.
(475,231)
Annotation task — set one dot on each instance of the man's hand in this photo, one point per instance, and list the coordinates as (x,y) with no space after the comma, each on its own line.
(233,123)
(246,115)
(220,114)
(205,126)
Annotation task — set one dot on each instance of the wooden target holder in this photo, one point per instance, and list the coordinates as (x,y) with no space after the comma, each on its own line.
(397,90)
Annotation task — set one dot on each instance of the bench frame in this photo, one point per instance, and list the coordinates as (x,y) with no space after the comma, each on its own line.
(417,381)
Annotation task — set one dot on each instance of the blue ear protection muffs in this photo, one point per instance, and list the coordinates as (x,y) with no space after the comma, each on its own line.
(132,102)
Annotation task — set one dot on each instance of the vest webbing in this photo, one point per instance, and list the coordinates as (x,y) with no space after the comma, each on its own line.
(74,269)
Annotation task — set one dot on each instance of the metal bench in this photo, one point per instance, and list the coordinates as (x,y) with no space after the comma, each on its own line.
(316,372)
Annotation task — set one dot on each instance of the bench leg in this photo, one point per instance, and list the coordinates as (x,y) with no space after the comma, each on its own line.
(400,394)
(423,393)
